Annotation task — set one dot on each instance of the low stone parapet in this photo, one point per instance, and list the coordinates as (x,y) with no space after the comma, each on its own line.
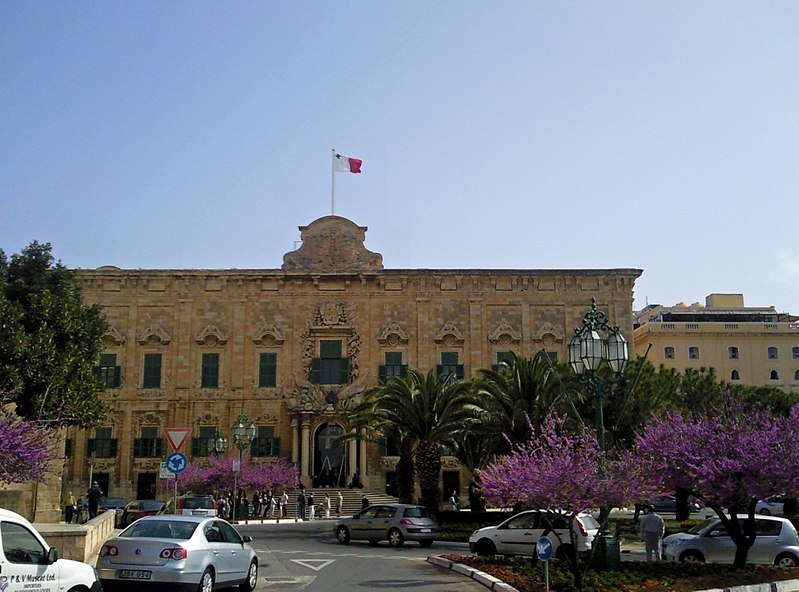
(80,542)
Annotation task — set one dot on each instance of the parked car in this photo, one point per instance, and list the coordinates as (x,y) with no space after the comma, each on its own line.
(190,505)
(139,509)
(26,557)
(666,502)
(112,504)
(708,542)
(187,551)
(771,506)
(395,523)
(518,534)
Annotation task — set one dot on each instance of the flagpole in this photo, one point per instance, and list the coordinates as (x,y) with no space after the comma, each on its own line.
(333,183)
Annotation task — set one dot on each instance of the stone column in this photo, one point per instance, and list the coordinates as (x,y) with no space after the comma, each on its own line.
(306,447)
(352,453)
(295,441)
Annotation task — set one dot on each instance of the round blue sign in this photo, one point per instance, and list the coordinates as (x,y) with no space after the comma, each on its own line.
(176,462)
(543,549)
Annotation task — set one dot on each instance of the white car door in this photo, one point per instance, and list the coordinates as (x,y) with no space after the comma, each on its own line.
(23,561)
(518,535)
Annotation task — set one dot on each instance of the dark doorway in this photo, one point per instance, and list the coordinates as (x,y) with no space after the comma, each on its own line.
(103,481)
(452,482)
(145,486)
(328,463)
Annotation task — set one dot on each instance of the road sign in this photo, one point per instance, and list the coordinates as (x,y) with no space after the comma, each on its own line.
(165,473)
(176,462)
(543,549)
(177,437)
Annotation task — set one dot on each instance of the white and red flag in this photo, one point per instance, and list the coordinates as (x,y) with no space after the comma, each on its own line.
(346,164)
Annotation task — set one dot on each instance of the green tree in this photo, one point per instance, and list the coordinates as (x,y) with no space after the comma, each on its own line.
(429,412)
(49,342)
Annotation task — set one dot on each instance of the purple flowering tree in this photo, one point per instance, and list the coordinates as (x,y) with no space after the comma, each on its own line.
(26,452)
(562,467)
(728,460)
(216,474)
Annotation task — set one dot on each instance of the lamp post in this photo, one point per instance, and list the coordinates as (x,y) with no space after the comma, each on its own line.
(242,432)
(217,445)
(596,342)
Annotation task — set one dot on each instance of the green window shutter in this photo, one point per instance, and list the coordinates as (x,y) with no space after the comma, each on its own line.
(113,448)
(117,377)
(152,371)
(383,446)
(210,371)
(137,447)
(316,370)
(393,358)
(459,371)
(195,447)
(404,371)
(90,446)
(267,370)
(330,349)
(449,358)
(275,446)
(345,371)
(381,374)
(68,448)
(159,447)
(440,369)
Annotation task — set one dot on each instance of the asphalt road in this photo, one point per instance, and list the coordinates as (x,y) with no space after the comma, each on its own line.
(306,556)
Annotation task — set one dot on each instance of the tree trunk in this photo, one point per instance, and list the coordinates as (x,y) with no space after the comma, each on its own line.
(682,511)
(428,467)
(405,478)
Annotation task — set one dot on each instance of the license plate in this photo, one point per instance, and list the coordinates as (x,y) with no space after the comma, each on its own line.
(199,513)
(424,530)
(133,574)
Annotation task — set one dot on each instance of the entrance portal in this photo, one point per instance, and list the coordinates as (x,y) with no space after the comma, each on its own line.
(328,464)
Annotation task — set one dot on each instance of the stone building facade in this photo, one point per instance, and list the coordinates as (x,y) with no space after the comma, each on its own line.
(294,348)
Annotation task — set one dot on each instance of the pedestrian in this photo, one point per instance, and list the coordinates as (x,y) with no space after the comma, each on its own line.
(93,495)
(301,506)
(327,505)
(256,504)
(339,504)
(70,505)
(651,528)
(221,507)
(311,508)
(284,504)
(453,502)
(268,507)
(364,502)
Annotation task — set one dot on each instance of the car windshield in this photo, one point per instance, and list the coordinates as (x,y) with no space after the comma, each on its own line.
(159,529)
(702,526)
(113,502)
(416,512)
(151,505)
(589,522)
(195,503)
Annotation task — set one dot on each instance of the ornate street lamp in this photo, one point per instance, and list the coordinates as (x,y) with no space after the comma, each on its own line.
(217,445)
(243,433)
(595,342)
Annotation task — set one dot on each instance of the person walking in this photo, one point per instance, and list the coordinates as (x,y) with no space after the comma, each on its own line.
(364,502)
(93,496)
(311,508)
(327,505)
(70,505)
(339,504)
(651,528)
(284,505)
(453,502)
(301,506)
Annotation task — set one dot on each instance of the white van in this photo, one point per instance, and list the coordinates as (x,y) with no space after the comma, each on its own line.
(27,562)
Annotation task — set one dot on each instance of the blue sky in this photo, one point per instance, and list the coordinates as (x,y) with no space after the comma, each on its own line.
(537,135)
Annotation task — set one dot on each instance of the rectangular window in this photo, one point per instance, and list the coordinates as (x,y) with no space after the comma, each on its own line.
(210,371)
(732,353)
(449,366)
(392,367)
(668,352)
(108,372)
(265,443)
(204,443)
(795,352)
(152,371)
(503,356)
(148,444)
(103,445)
(267,370)
(330,367)
(693,353)
(772,353)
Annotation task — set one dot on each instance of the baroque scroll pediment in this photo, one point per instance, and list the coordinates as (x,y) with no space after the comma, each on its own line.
(154,335)
(393,334)
(505,333)
(211,335)
(268,333)
(449,334)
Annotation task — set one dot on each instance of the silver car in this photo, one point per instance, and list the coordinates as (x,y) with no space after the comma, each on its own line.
(395,523)
(191,552)
(518,534)
(776,542)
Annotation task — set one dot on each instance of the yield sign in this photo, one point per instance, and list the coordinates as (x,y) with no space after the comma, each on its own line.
(314,564)
(177,437)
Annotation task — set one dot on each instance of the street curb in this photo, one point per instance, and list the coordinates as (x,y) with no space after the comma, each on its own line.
(781,586)
(485,579)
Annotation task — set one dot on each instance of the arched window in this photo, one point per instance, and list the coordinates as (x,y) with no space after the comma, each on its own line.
(732,352)
(795,352)
(775,375)
(796,375)
(668,352)
(734,375)
(772,353)
(693,353)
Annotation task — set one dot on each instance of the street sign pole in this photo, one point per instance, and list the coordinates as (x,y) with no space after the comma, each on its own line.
(543,550)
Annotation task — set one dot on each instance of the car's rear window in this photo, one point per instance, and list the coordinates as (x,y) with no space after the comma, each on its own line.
(589,522)
(416,512)
(151,505)
(198,503)
(159,529)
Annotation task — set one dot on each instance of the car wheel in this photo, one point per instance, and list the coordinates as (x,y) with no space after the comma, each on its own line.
(786,560)
(692,557)
(765,512)
(248,585)
(485,547)
(206,581)
(395,538)
(373,542)
(343,535)
(426,544)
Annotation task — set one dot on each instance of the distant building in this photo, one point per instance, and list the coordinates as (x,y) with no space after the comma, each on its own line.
(294,348)
(754,346)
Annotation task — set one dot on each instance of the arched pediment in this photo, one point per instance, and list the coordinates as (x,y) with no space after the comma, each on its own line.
(448,334)
(548,329)
(113,337)
(154,335)
(332,244)
(504,333)
(393,334)
(268,334)
(211,335)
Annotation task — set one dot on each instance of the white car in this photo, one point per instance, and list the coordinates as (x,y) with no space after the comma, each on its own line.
(708,542)
(771,506)
(27,561)
(519,534)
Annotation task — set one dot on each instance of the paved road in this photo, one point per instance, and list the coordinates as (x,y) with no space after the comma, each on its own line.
(306,556)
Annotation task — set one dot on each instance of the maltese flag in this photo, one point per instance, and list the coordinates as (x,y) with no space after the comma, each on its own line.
(346,164)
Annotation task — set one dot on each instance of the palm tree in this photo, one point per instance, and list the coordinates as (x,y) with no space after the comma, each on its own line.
(426,413)
(521,393)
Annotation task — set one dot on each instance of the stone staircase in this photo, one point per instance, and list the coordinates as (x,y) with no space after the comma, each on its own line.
(352,500)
